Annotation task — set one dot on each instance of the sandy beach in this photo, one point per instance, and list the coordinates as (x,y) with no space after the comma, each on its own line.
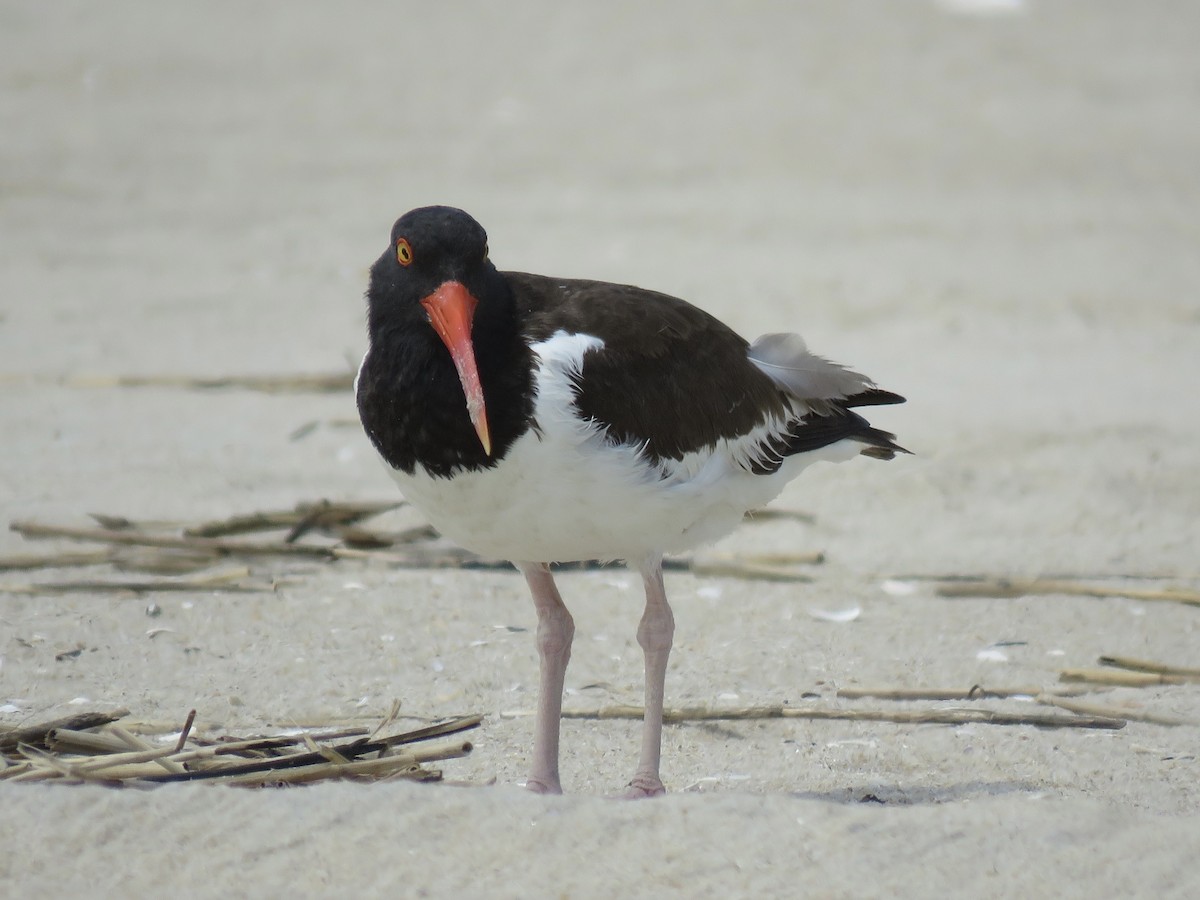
(989,208)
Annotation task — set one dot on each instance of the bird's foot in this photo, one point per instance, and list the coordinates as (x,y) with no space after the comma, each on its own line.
(543,785)
(644,786)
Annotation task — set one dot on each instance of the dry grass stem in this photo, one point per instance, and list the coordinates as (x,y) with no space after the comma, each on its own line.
(386,766)
(446,557)
(230,580)
(902,717)
(137,743)
(319,513)
(1142,665)
(70,740)
(975,692)
(185,731)
(54,560)
(763,567)
(207,747)
(391,717)
(404,765)
(1117,678)
(774,515)
(1115,712)
(1012,588)
(366,538)
(139,539)
(161,561)
(35,735)
(272,384)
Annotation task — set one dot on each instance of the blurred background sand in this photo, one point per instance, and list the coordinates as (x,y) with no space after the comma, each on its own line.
(993,214)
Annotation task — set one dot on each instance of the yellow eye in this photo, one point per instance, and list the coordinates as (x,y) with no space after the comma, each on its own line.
(404,254)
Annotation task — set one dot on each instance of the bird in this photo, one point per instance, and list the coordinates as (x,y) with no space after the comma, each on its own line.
(548,420)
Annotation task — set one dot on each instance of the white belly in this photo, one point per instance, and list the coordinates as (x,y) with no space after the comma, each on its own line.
(563,493)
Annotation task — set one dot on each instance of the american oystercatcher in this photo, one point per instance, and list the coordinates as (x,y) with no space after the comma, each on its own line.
(545,420)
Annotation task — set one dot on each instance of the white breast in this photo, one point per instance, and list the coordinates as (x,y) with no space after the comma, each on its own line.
(564,493)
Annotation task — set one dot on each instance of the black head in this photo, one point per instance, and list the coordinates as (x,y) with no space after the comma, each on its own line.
(429,246)
(435,296)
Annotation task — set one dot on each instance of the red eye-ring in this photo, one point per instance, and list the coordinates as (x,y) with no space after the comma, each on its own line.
(404,254)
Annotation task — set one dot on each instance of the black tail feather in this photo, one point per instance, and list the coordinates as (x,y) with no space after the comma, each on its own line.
(880,444)
(871,397)
(813,431)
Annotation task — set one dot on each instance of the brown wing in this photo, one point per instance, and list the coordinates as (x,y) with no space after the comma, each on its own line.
(669,377)
(674,379)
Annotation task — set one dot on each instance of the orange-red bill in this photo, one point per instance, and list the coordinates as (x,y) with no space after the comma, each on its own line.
(451,309)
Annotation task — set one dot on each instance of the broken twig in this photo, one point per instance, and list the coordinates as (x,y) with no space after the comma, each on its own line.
(35,735)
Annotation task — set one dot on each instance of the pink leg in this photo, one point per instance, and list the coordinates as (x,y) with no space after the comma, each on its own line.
(555,631)
(655,634)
